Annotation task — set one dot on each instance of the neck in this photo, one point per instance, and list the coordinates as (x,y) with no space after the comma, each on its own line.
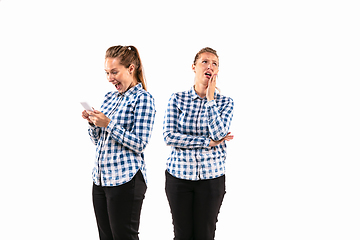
(200,90)
(132,84)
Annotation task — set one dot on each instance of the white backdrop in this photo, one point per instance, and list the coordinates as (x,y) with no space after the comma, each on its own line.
(292,68)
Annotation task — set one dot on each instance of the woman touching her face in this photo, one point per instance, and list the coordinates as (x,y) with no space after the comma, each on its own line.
(206,69)
(196,126)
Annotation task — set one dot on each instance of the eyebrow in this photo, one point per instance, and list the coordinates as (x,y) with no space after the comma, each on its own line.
(209,59)
(112,69)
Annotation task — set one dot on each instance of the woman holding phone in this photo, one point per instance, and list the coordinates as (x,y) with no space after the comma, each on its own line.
(120,131)
(196,125)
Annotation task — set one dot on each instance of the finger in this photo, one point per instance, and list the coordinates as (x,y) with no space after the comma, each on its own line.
(229,138)
(213,78)
(85,115)
(227,134)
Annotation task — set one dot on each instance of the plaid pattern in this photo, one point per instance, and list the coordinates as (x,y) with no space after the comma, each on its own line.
(120,146)
(189,124)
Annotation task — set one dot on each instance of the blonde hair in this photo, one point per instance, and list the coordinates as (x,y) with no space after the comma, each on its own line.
(204,50)
(128,55)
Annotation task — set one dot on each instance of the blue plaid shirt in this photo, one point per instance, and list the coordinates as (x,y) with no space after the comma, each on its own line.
(120,145)
(189,124)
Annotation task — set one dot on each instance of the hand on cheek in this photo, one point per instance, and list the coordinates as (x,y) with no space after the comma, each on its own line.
(210,91)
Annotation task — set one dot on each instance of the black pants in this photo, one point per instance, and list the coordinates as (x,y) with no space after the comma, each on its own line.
(194,206)
(117,209)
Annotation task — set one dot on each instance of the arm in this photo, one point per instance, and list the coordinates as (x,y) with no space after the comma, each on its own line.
(171,134)
(219,119)
(94,133)
(139,136)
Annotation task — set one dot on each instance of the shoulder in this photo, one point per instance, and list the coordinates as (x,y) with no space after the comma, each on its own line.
(183,94)
(142,94)
(142,97)
(224,103)
(181,97)
(110,95)
(221,99)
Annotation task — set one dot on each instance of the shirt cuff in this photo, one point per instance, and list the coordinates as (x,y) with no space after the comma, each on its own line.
(92,126)
(110,126)
(210,103)
(207,142)
(117,131)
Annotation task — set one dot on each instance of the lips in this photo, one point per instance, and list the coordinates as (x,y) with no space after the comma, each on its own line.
(117,86)
(208,75)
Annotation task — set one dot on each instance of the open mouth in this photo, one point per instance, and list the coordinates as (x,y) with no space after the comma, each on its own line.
(208,75)
(117,86)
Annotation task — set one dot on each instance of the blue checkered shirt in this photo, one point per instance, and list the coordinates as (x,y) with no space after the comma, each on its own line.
(120,145)
(189,124)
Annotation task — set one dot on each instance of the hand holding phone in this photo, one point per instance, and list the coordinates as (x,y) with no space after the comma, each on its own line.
(85,114)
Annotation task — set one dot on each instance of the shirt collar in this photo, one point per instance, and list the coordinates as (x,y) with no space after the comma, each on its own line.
(132,90)
(195,96)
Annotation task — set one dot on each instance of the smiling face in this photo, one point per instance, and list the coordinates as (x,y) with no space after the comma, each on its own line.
(122,78)
(205,67)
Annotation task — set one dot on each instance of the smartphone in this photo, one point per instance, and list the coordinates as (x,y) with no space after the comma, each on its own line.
(86,106)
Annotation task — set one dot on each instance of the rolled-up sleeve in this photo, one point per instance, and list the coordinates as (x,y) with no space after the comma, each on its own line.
(94,133)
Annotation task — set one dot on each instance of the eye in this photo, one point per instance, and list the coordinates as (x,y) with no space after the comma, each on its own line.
(215,64)
(205,61)
(114,73)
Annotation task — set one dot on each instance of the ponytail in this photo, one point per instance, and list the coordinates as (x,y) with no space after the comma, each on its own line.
(128,55)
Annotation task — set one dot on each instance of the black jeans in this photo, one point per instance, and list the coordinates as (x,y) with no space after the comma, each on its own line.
(194,206)
(117,209)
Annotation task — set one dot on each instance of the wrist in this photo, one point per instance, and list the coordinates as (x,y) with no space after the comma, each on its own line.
(108,120)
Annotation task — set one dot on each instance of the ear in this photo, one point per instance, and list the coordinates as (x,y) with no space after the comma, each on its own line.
(131,68)
(193,68)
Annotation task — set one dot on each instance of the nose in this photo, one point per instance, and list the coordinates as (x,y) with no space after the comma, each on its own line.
(110,77)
